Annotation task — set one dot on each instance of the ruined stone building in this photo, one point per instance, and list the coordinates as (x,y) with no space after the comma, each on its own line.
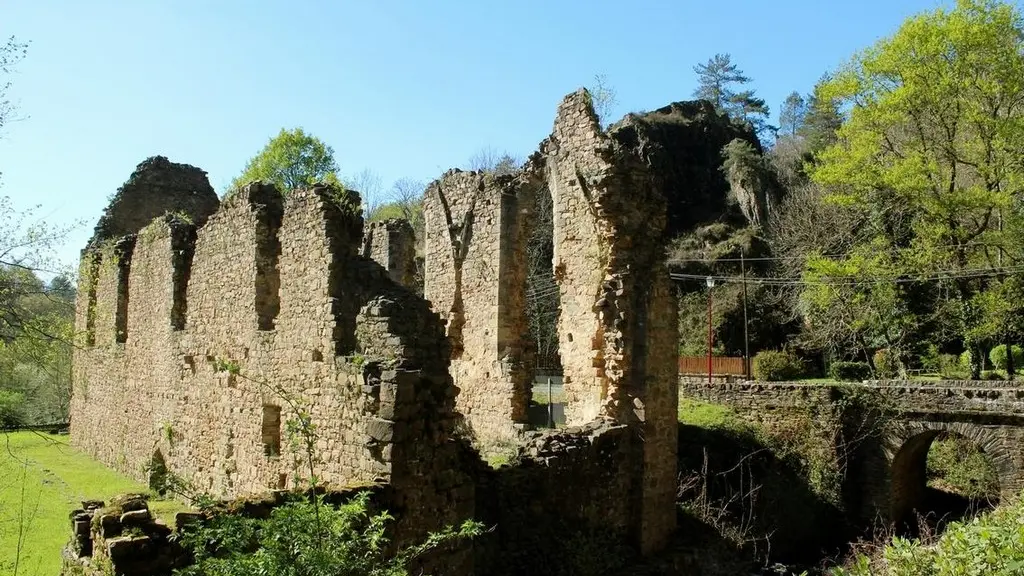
(206,326)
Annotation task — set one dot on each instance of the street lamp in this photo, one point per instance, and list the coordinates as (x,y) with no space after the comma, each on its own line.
(711,284)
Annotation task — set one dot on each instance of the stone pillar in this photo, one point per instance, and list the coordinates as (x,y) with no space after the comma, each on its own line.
(392,244)
(617,335)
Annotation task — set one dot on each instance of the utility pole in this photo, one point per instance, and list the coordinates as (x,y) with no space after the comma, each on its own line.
(746,337)
(711,284)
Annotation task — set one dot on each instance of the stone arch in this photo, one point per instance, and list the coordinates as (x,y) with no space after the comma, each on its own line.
(906,448)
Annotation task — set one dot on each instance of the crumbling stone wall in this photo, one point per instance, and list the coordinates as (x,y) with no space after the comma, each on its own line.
(617,317)
(157,186)
(392,244)
(475,279)
(282,315)
(206,337)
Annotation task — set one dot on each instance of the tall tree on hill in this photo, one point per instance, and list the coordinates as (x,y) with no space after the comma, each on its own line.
(930,157)
(718,79)
(292,159)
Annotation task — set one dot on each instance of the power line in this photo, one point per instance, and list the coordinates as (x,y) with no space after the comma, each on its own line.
(836,255)
(863,279)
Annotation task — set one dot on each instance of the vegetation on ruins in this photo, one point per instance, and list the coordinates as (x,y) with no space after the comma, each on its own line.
(307,537)
(292,159)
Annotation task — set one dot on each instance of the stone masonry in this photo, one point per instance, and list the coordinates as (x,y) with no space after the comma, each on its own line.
(392,244)
(207,328)
(886,465)
(275,287)
(616,323)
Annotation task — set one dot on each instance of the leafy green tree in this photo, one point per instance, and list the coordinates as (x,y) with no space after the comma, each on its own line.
(718,79)
(929,155)
(291,160)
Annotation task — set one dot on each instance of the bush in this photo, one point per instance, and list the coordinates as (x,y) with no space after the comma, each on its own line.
(951,368)
(886,365)
(998,357)
(849,371)
(306,536)
(776,366)
(992,375)
(965,361)
(931,360)
(990,544)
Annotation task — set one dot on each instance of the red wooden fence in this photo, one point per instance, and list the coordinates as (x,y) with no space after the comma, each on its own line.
(722,365)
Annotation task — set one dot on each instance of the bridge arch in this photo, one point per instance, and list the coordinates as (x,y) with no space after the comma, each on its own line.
(907,445)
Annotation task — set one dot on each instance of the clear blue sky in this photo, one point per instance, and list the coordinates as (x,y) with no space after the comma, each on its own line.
(404,88)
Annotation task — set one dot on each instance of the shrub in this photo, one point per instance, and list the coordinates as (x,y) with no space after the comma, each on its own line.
(965,361)
(306,536)
(776,365)
(950,367)
(931,360)
(886,365)
(998,357)
(991,375)
(849,371)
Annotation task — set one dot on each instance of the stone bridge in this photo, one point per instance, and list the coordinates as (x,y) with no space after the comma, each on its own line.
(884,447)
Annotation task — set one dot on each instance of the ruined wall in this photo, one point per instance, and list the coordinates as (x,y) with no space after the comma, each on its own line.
(392,244)
(616,326)
(232,329)
(475,279)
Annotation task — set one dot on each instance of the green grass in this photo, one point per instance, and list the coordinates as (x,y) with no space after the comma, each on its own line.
(543,398)
(42,479)
(706,415)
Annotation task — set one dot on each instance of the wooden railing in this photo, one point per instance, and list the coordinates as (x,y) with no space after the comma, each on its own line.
(720,365)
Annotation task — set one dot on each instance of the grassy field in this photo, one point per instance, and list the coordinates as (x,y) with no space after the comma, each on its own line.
(41,480)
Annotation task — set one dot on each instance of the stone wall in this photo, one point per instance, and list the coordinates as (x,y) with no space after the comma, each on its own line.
(884,449)
(616,324)
(474,262)
(392,244)
(282,316)
(205,336)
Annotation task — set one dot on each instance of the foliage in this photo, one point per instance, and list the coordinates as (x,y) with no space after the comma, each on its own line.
(849,371)
(991,544)
(293,159)
(951,368)
(886,364)
(957,464)
(776,365)
(928,157)
(998,356)
(11,52)
(351,541)
(716,80)
(603,98)
(42,477)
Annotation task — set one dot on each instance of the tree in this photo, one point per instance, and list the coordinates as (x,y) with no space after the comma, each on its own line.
(293,159)
(488,159)
(603,97)
(11,52)
(716,80)
(929,154)
(791,117)
(368,184)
